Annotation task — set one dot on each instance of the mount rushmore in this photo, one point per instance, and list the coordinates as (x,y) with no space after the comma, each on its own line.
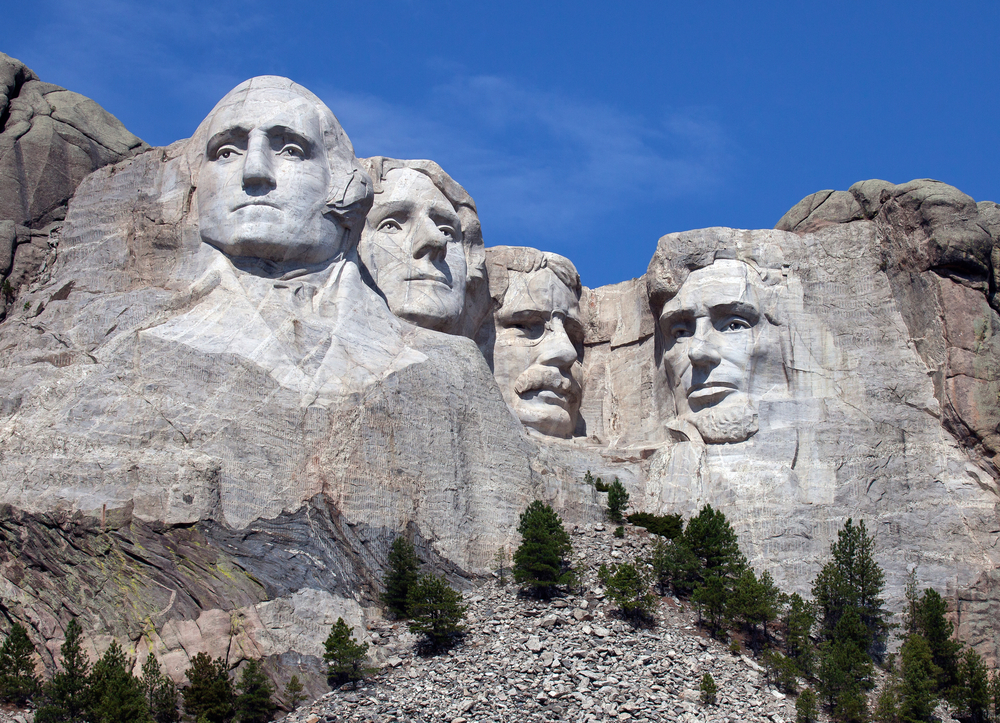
(234,368)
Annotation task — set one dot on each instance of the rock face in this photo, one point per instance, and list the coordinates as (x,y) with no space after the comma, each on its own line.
(50,140)
(214,421)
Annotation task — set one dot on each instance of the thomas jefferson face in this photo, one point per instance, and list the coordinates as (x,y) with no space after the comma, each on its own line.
(538,351)
(264,183)
(412,246)
(714,337)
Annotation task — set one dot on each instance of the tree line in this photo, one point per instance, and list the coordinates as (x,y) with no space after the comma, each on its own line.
(829,645)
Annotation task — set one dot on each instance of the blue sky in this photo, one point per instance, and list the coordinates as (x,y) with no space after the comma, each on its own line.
(588,129)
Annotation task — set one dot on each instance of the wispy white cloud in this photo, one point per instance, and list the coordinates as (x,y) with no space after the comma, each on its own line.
(540,164)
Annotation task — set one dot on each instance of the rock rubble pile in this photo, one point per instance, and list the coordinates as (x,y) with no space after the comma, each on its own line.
(568,659)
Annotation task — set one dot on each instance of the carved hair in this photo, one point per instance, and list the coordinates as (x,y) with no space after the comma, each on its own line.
(502,260)
(350,194)
(678,254)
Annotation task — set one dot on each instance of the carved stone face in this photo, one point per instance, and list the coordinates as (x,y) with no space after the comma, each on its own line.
(412,246)
(538,351)
(714,334)
(265,180)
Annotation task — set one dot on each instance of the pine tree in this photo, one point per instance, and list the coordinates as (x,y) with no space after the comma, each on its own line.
(916,691)
(675,567)
(712,540)
(973,689)
(346,659)
(210,695)
(18,682)
(160,692)
(805,707)
(617,500)
(711,600)
(116,694)
(628,587)
(709,690)
(66,697)
(541,561)
(254,703)
(754,602)
(799,620)
(293,692)
(995,692)
(845,669)
(852,580)
(400,577)
(887,704)
(436,612)
(937,630)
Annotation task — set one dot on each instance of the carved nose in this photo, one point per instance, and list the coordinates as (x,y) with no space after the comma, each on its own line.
(556,348)
(257,169)
(702,352)
(428,240)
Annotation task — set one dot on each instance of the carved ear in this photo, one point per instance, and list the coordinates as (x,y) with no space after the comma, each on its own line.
(351,202)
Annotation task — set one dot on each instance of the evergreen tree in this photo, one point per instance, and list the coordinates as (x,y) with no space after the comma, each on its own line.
(711,539)
(711,600)
(973,689)
(254,703)
(806,710)
(436,612)
(916,691)
(668,526)
(852,580)
(628,588)
(912,595)
(781,671)
(674,567)
(995,692)
(293,692)
(160,692)
(709,690)
(18,682)
(754,602)
(845,669)
(346,659)
(116,694)
(617,500)
(541,561)
(400,577)
(66,697)
(937,630)
(799,620)
(210,695)
(887,704)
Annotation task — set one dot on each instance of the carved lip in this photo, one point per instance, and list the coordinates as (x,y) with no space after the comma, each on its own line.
(710,390)
(549,396)
(439,278)
(256,202)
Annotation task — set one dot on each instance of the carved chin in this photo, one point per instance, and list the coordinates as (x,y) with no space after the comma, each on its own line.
(725,423)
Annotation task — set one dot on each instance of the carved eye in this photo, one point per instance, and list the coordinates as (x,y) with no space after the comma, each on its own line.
(736,323)
(226,152)
(292,151)
(528,329)
(678,331)
(389,226)
(449,232)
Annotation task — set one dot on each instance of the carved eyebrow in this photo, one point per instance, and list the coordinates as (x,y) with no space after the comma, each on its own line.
(287,133)
(737,308)
(516,315)
(233,134)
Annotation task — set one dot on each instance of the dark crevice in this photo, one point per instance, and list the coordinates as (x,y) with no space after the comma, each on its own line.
(19,80)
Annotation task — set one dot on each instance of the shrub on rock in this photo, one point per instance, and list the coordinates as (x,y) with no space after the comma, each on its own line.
(628,588)
(436,612)
(541,562)
(400,577)
(346,659)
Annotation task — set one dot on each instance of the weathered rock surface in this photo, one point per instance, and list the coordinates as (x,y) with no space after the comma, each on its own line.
(201,452)
(50,140)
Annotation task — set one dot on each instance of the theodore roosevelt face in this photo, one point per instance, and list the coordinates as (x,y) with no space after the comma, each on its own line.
(265,180)
(538,351)
(713,332)
(412,246)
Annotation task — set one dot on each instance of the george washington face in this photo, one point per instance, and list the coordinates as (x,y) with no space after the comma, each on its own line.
(264,183)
